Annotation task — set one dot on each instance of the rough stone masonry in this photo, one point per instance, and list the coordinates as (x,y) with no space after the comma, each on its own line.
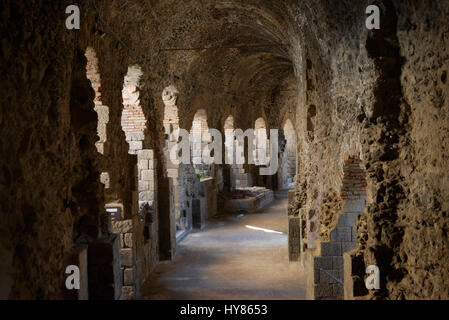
(71,139)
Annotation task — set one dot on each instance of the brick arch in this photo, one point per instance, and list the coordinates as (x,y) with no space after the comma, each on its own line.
(350,147)
(354,179)
(199,123)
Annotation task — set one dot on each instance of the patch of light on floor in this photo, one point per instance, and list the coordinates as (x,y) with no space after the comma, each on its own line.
(263,229)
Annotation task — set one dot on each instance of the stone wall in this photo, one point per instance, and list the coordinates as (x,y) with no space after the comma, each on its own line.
(49,187)
(94,77)
(377,115)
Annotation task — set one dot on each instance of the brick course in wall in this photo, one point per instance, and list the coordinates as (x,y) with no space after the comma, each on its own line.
(343,237)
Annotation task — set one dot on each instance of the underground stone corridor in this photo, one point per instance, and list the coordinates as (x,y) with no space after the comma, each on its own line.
(232,260)
(224,149)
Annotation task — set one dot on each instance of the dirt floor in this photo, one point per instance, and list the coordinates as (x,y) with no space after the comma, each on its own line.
(228,260)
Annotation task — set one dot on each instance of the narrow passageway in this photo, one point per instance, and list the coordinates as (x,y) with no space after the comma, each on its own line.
(228,260)
(130,124)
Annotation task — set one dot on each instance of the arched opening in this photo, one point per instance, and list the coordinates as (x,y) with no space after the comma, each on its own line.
(228,174)
(260,131)
(228,128)
(287,169)
(200,137)
(261,153)
(235,177)
(180,213)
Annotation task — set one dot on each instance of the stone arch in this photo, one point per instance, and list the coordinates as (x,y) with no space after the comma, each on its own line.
(225,179)
(260,124)
(260,152)
(228,129)
(234,175)
(200,137)
(229,123)
(260,131)
(288,156)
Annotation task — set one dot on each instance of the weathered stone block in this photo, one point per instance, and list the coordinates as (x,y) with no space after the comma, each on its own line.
(330,248)
(348,246)
(128,276)
(144,185)
(147,175)
(128,240)
(337,290)
(316,275)
(323,262)
(135,145)
(127,257)
(354,235)
(294,245)
(122,241)
(122,226)
(137,136)
(152,184)
(291,196)
(142,164)
(172,173)
(341,234)
(145,154)
(104,178)
(146,196)
(325,278)
(337,263)
(323,290)
(128,293)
